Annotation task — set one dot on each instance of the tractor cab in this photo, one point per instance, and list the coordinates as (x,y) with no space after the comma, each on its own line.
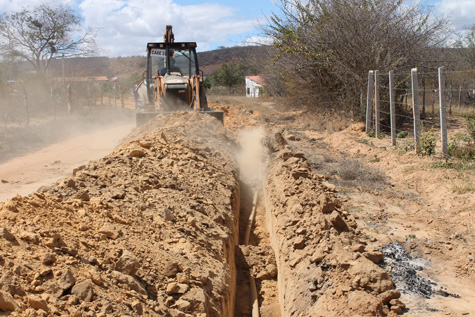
(171,81)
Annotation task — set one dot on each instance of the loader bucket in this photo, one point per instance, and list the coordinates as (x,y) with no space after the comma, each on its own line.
(143,117)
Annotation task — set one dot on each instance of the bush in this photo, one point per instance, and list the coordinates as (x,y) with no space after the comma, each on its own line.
(428,142)
(464,151)
(471,125)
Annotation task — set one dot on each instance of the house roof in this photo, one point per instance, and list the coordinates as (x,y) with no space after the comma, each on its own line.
(258,79)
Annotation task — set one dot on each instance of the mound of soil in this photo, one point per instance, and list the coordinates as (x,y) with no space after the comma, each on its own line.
(324,266)
(148,230)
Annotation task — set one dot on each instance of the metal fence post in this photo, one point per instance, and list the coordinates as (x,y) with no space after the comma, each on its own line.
(415,109)
(443,113)
(369,103)
(376,103)
(392,107)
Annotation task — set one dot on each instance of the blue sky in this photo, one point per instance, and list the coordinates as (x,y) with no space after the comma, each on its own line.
(125,26)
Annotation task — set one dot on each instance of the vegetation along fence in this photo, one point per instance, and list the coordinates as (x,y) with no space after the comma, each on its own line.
(417,104)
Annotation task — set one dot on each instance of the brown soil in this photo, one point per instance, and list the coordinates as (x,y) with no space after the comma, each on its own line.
(157,226)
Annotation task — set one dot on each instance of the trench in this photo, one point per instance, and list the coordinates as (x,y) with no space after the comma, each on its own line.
(256,292)
(256,282)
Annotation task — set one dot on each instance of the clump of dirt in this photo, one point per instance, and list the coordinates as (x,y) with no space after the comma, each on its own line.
(324,265)
(148,230)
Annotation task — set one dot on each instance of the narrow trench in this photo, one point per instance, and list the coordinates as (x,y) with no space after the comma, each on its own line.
(256,259)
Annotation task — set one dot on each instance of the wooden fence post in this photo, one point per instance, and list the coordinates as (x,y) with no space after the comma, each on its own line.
(443,113)
(376,103)
(415,109)
(369,102)
(392,107)
(26,107)
(52,102)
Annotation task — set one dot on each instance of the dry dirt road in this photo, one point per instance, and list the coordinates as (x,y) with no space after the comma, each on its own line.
(25,174)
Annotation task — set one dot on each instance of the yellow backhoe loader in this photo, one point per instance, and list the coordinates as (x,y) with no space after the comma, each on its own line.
(172,81)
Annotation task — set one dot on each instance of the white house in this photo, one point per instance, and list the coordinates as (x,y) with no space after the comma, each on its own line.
(254,84)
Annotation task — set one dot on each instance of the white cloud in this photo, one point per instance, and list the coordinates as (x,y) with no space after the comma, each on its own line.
(125,27)
(256,40)
(460,12)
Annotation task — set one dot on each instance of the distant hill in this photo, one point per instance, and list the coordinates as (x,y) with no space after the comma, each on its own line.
(125,66)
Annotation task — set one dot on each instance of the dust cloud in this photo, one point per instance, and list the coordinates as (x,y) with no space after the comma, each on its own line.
(252,157)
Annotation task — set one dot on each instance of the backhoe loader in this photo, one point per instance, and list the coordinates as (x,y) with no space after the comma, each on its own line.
(172,81)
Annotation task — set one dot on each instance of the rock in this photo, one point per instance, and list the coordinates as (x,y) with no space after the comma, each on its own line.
(338,222)
(397,302)
(374,256)
(292,137)
(171,269)
(127,263)
(70,183)
(84,196)
(10,205)
(83,291)
(358,248)
(109,231)
(29,237)
(327,203)
(167,214)
(361,303)
(10,283)
(176,288)
(272,270)
(145,144)
(389,295)
(299,242)
(4,233)
(54,242)
(37,303)
(67,280)
(46,272)
(300,173)
(80,168)
(137,307)
(7,303)
(129,281)
(317,256)
(137,153)
(263,275)
(329,186)
(96,277)
(49,259)
(70,251)
(182,305)
(197,298)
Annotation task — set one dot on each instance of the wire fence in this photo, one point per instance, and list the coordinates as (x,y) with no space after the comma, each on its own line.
(20,103)
(415,104)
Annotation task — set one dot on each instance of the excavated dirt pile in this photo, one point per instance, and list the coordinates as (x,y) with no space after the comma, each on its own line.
(324,265)
(148,230)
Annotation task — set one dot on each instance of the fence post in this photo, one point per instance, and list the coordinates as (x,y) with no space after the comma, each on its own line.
(415,109)
(369,103)
(26,107)
(443,113)
(376,103)
(52,101)
(392,107)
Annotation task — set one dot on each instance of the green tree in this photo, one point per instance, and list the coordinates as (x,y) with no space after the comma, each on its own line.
(228,75)
(42,33)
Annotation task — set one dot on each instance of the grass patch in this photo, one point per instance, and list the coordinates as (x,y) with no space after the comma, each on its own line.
(456,165)
(464,188)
